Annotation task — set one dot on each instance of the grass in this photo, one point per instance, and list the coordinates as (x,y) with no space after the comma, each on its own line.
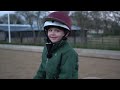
(97,46)
(14,43)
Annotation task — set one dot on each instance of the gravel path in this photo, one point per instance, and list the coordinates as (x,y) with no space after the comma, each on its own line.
(15,64)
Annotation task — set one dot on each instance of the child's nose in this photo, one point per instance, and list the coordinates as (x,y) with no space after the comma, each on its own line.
(52,32)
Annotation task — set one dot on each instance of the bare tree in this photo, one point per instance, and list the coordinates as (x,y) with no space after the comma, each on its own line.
(116,24)
(39,15)
(106,19)
(96,18)
(83,21)
(14,19)
(4,19)
(116,16)
(33,18)
(29,17)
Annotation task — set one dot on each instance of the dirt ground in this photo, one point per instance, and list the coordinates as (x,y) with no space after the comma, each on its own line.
(23,65)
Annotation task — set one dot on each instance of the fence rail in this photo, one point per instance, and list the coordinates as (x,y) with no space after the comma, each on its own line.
(96,42)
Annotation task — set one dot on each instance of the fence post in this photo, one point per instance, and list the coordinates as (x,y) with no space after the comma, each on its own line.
(102,42)
(119,42)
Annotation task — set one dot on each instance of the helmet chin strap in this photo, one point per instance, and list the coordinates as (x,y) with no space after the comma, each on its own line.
(49,45)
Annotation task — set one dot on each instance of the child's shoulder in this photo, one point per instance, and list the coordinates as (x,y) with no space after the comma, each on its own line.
(69,49)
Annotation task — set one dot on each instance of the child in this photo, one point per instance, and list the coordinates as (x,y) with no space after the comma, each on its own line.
(59,59)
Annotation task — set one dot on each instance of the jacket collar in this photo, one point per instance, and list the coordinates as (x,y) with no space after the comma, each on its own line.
(51,47)
(58,45)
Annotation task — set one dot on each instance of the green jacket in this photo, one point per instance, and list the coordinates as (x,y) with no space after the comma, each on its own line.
(62,65)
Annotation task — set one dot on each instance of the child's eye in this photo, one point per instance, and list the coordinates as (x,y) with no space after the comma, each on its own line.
(57,30)
(50,30)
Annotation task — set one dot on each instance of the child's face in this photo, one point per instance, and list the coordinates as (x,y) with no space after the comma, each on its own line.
(55,34)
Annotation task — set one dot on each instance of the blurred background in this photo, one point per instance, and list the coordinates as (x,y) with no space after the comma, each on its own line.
(90,29)
(22,41)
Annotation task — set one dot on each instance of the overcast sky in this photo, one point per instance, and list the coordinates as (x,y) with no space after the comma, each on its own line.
(5,12)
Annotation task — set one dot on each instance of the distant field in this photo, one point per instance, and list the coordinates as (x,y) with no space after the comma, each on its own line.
(106,42)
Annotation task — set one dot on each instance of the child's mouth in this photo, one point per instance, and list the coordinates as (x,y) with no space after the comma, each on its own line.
(53,37)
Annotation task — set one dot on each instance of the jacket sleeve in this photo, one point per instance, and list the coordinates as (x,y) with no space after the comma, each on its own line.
(69,66)
(41,71)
